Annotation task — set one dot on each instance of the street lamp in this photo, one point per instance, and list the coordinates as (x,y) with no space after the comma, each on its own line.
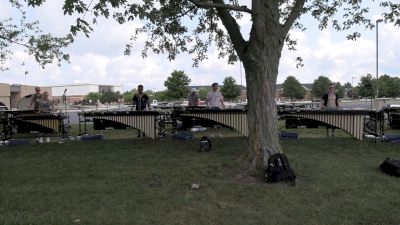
(352,87)
(377,24)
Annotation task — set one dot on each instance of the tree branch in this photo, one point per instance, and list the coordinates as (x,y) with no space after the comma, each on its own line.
(296,11)
(207,5)
(232,27)
(8,39)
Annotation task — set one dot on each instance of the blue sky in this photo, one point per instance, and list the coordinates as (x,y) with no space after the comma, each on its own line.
(100,59)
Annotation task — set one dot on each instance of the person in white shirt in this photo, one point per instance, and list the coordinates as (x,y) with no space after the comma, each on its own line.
(214,99)
(330,102)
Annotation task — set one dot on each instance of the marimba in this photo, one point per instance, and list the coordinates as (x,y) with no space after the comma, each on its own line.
(234,118)
(43,122)
(146,121)
(393,115)
(31,122)
(5,128)
(351,121)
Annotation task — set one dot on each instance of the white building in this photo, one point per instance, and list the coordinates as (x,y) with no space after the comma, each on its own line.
(76,93)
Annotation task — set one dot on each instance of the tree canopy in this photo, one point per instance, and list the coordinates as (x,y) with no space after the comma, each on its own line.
(203,92)
(293,89)
(340,90)
(110,97)
(92,97)
(186,26)
(177,85)
(366,86)
(45,47)
(230,89)
(320,86)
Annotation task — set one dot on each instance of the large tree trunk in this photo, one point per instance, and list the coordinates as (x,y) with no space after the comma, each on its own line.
(261,62)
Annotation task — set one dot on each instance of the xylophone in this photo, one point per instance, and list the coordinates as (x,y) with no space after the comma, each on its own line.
(145,121)
(5,128)
(234,118)
(351,121)
(393,115)
(31,122)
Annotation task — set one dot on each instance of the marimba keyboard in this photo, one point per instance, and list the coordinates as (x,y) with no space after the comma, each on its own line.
(145,121)
(235,118)
(351,121)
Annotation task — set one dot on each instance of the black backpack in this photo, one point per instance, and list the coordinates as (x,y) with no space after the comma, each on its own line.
(391,167)
(205,144)
(278,170)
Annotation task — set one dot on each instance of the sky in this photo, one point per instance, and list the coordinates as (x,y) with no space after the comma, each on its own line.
(100,59)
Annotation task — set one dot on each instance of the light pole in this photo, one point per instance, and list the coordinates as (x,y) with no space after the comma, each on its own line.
(352,87)
(377,26)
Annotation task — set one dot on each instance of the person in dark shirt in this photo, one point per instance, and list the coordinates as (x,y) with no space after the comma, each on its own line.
(141,100)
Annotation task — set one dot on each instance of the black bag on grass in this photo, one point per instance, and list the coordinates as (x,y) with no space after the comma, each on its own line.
(205,144)
(391,167)
(279,170)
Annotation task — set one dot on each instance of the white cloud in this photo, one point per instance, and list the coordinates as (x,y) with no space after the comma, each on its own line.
(341,59)
(100,58)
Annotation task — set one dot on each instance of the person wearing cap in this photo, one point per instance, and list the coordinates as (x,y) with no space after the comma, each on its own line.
(214,99)
(36,99)
(193,98)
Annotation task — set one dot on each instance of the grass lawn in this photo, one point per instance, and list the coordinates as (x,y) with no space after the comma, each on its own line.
(123,180)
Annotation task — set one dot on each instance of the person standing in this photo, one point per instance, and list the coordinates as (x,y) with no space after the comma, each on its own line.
(214,99)
(36,99)
(141,100)
(330,101)
(45,104)
(193,98)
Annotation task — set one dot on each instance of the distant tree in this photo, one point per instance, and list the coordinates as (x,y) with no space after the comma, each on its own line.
(347,85)
(393,88)
(348,89)
(320,86)
(150,93)
(203,93)
(162,96)
(109,97)
(128,96)
(177,85)
(92,97)
(230,90)
(340,90)
(383,85)
(355,92)
(293,89)
(366,86)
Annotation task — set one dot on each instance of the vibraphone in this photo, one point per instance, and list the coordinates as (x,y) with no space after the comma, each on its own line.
(31,122)
(351,121)
(234,118)
(393,116)
(146,121)
(5,128)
